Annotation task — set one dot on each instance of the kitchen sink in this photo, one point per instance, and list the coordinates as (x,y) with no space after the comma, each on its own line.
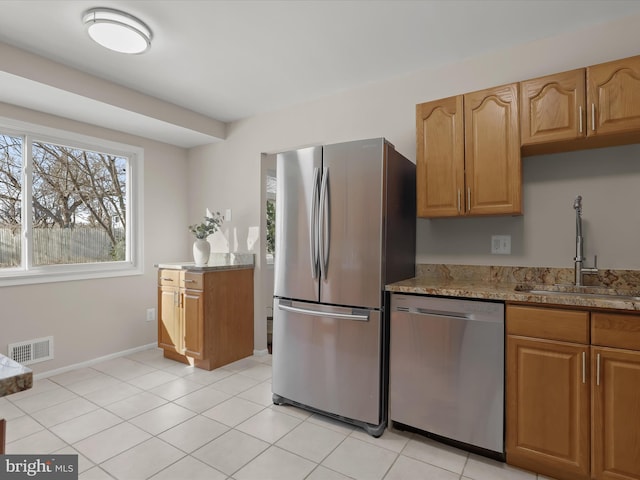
(580,291)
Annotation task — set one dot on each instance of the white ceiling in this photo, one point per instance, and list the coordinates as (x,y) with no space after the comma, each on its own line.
(229,60)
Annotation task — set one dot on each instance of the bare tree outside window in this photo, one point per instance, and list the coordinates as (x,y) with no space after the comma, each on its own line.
(10,200)
(78,204)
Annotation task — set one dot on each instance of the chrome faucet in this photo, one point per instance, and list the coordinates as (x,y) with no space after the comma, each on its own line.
(579,258)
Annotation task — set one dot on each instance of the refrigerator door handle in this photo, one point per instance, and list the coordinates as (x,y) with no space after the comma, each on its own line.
(325,224)
(317,313)
(313,224)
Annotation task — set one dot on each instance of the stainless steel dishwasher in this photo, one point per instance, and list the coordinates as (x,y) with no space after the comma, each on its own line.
(446,369)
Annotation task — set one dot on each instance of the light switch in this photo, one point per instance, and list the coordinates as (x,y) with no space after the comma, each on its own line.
(227,215)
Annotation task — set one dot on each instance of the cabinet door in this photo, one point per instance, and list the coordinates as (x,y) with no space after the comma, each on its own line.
(169,322)
(616,414)
(613,91)
(440,157)
(193,319)
(548,407)
(493,174)
(552,108)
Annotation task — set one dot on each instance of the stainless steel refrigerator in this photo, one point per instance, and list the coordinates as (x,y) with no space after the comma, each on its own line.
(345,227)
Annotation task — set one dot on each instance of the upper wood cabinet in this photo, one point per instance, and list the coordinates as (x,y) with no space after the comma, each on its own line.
(613,91)
(597,106)
(468,154)
(440,153)
(493,172)
(552,108)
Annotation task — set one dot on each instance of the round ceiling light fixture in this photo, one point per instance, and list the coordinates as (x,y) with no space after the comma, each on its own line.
(117,30)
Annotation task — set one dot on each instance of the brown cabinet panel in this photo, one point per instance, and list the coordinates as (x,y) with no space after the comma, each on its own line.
(492,151)
(616,414)
(169,277)
(192,280)
(440,148)
(193,320)
(549,323)
(616,330)
(552,108)
(548,407)
(613,91)
(228,305)
(169,325)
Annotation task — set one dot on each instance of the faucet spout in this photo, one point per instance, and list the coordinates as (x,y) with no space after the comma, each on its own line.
(577,205)
(579,258)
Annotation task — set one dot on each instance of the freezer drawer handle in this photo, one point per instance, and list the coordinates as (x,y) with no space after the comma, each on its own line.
(316,313)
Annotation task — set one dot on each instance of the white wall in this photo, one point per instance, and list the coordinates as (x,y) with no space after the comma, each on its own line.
(227,174)
(93,318)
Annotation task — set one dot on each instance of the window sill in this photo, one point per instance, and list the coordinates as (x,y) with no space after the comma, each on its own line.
(66,274)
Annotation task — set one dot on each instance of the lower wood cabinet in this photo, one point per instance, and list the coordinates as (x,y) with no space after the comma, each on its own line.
(205,318)
(615,400)
(573,392)
(548,390)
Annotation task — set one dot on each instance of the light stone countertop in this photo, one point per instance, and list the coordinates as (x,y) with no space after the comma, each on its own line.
(14,377)
(217,261)
(506,283)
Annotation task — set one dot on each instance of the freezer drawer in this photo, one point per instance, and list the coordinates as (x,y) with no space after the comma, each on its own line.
(328,358)
(446,368)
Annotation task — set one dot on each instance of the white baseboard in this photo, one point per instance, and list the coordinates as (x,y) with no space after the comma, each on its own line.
(260,353)
(89,363)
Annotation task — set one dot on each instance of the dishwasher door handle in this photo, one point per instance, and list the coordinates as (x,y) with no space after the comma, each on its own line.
(435,313)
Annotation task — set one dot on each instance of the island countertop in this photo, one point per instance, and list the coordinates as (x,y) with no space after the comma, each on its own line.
(217,261)
(14,377)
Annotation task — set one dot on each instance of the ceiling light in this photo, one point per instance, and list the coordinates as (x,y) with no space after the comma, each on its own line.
(117,30)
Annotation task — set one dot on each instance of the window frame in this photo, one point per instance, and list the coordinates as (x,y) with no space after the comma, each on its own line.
(133,265)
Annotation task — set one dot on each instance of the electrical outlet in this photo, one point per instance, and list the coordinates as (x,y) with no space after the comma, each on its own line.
(151,314)
(501,244)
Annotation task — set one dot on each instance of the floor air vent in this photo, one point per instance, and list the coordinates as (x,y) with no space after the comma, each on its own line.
(32,351)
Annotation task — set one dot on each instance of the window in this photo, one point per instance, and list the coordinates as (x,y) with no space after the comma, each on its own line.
(68,206)
(271,215)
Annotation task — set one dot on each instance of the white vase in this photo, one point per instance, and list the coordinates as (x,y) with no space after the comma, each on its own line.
(201,251)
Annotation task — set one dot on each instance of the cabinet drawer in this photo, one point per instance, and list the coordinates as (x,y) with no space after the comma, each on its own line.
(192,280)
(549,323)
(615,330)
(169,277)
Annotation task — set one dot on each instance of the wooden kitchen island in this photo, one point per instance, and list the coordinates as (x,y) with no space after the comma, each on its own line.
(205,314)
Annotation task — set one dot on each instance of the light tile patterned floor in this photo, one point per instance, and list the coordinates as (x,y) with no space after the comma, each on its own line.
(146,417)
